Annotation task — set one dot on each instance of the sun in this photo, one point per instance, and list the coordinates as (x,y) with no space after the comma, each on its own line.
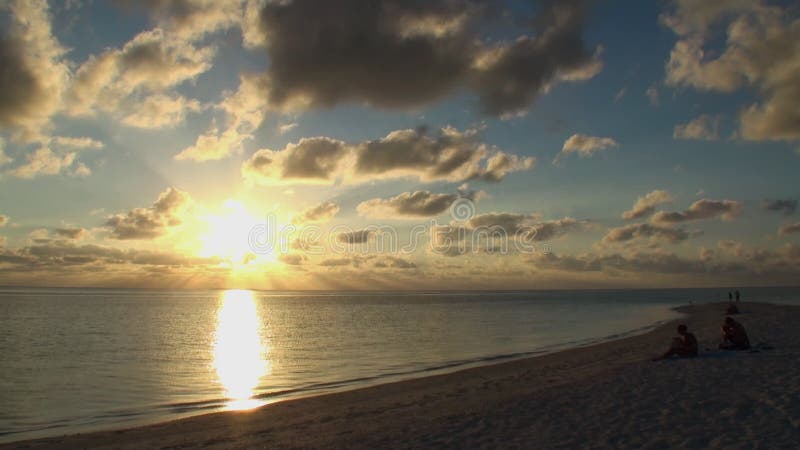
(227,235)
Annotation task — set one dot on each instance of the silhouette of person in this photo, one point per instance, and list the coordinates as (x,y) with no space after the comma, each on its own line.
(734,336)
(683,346)
(730,296)
(737,296)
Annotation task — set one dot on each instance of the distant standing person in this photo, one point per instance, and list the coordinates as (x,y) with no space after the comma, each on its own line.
(737,296)
(734,336)
(683,346)
(730,296)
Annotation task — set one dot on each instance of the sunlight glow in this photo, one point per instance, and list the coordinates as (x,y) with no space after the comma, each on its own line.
(240,356)
(227,233)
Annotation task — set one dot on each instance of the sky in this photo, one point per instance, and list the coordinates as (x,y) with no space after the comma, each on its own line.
(387,144)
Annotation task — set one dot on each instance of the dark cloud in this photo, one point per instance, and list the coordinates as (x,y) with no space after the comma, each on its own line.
(71,233)
(785,206)
(409,53)
(148,223)
(310,160)
(410,205)
(21,93)
(450,155)
(52,254)
(495,232)
(645,230)
(638,262)
(322,212)
(355,237)
(790,228)
(700,210)
(333,262)
(292,259)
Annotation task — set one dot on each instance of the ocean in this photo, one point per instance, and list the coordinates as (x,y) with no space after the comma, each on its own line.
(77,360)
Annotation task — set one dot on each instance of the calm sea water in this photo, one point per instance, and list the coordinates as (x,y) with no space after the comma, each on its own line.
(73,360)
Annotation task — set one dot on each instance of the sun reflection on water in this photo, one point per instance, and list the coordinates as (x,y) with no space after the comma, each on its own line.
(240,356)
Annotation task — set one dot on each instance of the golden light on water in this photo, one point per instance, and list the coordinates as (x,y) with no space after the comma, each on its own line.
(240,356)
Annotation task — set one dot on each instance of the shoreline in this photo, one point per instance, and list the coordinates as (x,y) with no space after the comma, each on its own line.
(345,385)
(504,403)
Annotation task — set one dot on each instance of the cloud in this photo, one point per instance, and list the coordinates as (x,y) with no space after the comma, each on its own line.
(151,222)
(4,159)
(34,73)
(733,247)
(701,210)
(450,155)
(43,162)
(645,206)
(644,230)
(584,146)
(703,127)
(759,53)
(286,127)
(77,143)
(244,112)
(72,233)
(61,254)
(656,262)
(785,206)
(192,19)
(619,95)
(492,232)
(653,95)
(122,81)
(322,212)
(790,228)
(160,111)
(292,259)
(411,205)
(355,237)
(333,262)
(370,261)
(311,160)
(398,54)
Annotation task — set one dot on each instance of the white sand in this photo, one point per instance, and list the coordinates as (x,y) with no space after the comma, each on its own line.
(604,396)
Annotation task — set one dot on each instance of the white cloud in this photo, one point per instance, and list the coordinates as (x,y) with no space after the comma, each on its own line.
(584,146)
(760,53)
(646,205)
(151,63)
(78,143)
(286,127)
(151,222)
(244,110)
(701,210)
(703,127)
(161,111)
(43,162)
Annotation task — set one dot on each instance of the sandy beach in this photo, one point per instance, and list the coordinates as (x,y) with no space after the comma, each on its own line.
(609,395)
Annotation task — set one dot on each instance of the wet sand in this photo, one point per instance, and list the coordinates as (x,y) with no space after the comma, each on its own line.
(608,395)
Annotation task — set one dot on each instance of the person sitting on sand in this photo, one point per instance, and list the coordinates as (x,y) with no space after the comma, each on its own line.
(734,336)
(683,346)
